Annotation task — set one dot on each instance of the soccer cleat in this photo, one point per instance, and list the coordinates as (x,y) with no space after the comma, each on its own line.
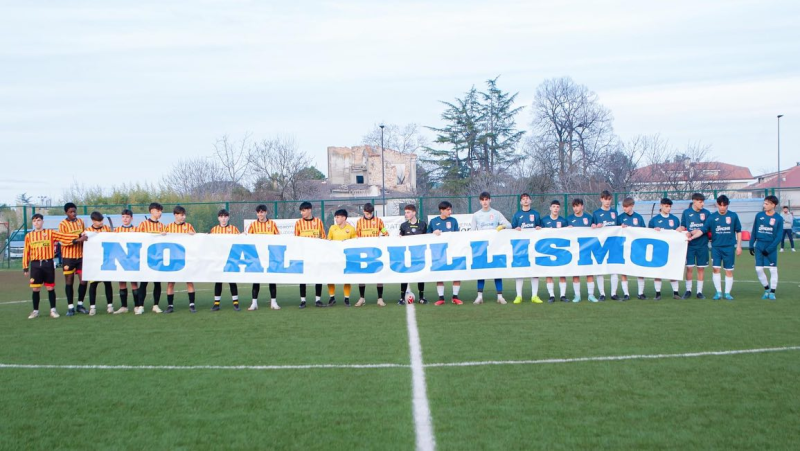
(82,309)
(793,250)
(765,296)
(347,302)
(381,303)
(423,301)
(676,295)
(551,299)
(319,304)
(215,308)
(701,296)
(576,299)
(626,298)
(772,296)
(518,300)
(360,302)
(602,298)
(192,308)
(717,296)
(138,310)
(641,296)
(687,295)
(478,300)
(253,307)
(33,315)
(92,311)
(440,302)
(401,302)
(331,301)
(614,297)
(170,309)
(156,309)
(563,299)
(274,305)
(592,298)
(781,250)
(728,297)
(536,300)
(457,301)
(658,296)
(71,311)
(303,304)
(501,300)
(236,308)
(54,314)
(110,309)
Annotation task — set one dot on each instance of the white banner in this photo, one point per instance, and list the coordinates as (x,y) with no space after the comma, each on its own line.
(427,258)
(286,226)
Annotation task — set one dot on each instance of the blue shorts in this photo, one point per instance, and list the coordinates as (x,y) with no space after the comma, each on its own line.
(723,256)
(770,260)
(697,256)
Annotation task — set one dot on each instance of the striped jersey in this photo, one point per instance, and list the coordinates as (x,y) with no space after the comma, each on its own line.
(370,227)
(74,228)
(267,227)
(336,233)
(40,245)
(183,227)
(123,229)
(227,230)
(104,228)
(150,226)
(309,228)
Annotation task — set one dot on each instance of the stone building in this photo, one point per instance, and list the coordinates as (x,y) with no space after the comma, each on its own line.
(359,167)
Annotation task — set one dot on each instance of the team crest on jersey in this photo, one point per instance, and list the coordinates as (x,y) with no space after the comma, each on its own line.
(532,217)
(772,221)
(727,220)
(491,217)
(702,216)
(558,225)
(448,225)
(586,221)
(613,215)
(671,224)
(635,221)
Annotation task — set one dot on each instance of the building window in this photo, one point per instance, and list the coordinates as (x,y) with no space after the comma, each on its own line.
(360,179)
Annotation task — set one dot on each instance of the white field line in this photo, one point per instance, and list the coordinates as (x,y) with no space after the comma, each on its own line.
(423,423)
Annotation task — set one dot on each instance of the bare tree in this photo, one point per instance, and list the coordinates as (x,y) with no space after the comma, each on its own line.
(404,139)
(692,169)
(199,178)
(279,166)
(232,158)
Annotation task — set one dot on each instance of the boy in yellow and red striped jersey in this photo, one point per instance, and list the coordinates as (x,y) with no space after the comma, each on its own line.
(72,258)
(263,226)
(310,227)
(370,225)
(126,227)
(179,226)
(98,227)
(339,232)
(224,228)
(37,260)
(150,225)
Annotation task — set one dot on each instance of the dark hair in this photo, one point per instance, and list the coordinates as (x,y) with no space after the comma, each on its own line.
(577,201)
(305,206)
(341,212)
(524,195)
(261,207)
(37,216)
(605,194)
(69,205)
(773,199)
(223,212)
(698,196)
(444,205)
(126,212)
(555,202)
(485,195)
(411,207)
(178,210)
(96,216)
(155,205)
(786,207)
(666,201)
(723,200)
(369,208)
(628,201)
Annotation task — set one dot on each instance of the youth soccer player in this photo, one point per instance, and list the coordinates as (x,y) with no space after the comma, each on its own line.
(445,223)
(263,226)
(554,221)
(224,228)
(726,244)
(764,239)
(367,226)
(487,218)
(37,261)
(665,220)
(630,218)
(579,219)
(72,258)
(150,225)
(126,227)
(181,226)
(310,227)
(412,226)
(340,231)
(99,227)
(526,218)
(692,219)
(605,216)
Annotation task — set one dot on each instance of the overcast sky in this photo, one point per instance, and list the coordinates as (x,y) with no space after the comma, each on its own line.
(102,93)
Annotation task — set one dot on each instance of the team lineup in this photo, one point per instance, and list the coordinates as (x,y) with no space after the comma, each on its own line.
(722,230)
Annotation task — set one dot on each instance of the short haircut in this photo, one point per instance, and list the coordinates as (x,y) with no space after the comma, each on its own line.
(577,201)
(628,201)
(666,201)
(444,205)
(723,200)
(485,195)
(155,206)
(69,205)
(605,194)
(261,208)
(555,202)
(786,207)
(411,207)
(126,212)
(698,196)
(305,206)
(96,216)
(369,208)
(524,195)
(341,212)
(178,210)
(223,212)
(773,199)
(37,216)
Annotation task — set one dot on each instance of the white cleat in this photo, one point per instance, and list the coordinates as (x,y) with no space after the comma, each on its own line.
(138,310)
(501,300)
(33,315)
(54,314)
(92,311)
(110,309)
(381,303)
(253,307)
(478,300)
(156,309)
(123,310)
(274,305)
(360,302)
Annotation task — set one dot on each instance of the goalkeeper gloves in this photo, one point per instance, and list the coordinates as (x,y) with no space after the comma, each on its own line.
(752,251)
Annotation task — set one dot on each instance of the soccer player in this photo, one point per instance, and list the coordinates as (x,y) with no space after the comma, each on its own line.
(370,225)
(263,226)
(603,217)
(340,231)
(630,218)
(224,228)
(726,244)
(37,261)
(554,221)
(665,220)
(150,225)
(767,232)
(526,218)
(579,219)
(788,223)
(442,224)
(310,227)
(181,226)
(126,227)
(692,219)
(487,218)
(412,226)
(99,227)
(72,258)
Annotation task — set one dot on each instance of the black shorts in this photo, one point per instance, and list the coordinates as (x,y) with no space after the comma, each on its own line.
(42,272)
(72,266)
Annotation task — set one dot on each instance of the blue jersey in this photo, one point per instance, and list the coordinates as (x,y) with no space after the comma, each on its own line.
(550,223)
(669,222)
(445,225)
(526,219)
(634,220)
(583,220)
(767,231)
(605,217)
(696,220)
(723,228)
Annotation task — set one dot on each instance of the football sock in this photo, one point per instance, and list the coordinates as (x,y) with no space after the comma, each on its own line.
(590,287)
(156,293)
(625,288)
(92,294)
(171,300)
(440,290)
(421,289)
(331,289)
(361,290)
(81,292)
(518,287)
(762,277)
(601,285)
(256,289)
(699,286)
(123,296)
(273,291)
(728,284)
(550,289)
(717,278)
(534,286)
(773,278)
(689,285)
(640,285)
(614,283)
(498,285)
(576,287)
(456,288)
(562,288)
(380,291)
(675,285)
(347,291)
(68,291)
(35,296)
(481,283)
(657,285)
(51,296)
(217,291)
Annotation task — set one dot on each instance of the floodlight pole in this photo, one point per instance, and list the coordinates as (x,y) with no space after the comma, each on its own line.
(383,174)
(779,154)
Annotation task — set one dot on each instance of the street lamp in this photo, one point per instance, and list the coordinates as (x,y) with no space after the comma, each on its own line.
(383,174)
(779,154)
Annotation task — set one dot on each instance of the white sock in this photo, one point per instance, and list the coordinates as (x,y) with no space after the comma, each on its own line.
(728,284)
(217,298)
(601,285)
(550,289)
(302,299)
(699,286)
(73,305)
(317,298)
(625,288)
(590,287)
(675,286)
(35,311)
(689,285)
(562,288)
(235,298)
(717,278)
(614,283)
(773,279)
(80,302)
(255,301)
(657,284)
(534,286)
(762,277)
(440,289)
(53,309)
(455,289)
(640,284)
(519,287)
(576,287)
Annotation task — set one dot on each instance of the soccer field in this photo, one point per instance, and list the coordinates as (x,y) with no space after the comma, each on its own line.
(642,374)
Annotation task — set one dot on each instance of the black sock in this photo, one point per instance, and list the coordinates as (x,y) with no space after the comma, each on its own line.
(92,292)
(403,288)
(142,295)
(441,298)
(51,296)
(234,289)
(135,295)
(273,291)
(256,289)
(123,296)
(380,291)
(35,296)
(81,292)
(302,290)
(191,298)
(766,287)
(170,299)
(218,289)
(421,288)
(156,292)
(772,291)
(109,293)
(69,292)
(361,290)
(318,290)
